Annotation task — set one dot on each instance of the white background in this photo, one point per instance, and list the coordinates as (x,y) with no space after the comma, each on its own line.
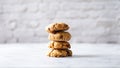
(91,21)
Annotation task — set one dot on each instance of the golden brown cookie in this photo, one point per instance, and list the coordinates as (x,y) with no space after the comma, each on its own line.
(55,27)
(59,45)
(59,53)
(59,36)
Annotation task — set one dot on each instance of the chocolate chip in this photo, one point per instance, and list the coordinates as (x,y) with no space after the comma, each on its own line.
(48,28)
(61,36)
(66,25)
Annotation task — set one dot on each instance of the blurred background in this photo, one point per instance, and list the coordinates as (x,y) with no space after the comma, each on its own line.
(91,21)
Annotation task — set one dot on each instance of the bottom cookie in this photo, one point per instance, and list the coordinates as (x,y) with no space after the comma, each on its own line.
(59,53)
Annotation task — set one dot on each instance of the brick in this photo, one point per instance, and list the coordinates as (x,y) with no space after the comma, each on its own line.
(31,7)
(27,39)
(69,6)
(5,34)
(22,32)
(94,14)
(82,6)
(31,16)
(15,8)
(43,7)
(11,16)
(108,39)
(32,24)
(11,25)
(92,6)
(111,5)
(44,39)
(1,9)
(48,1)
(106,23)
(71,14)
(30,1)
(10,2)
(11,40)
(84,39)
(55,6)
(41,33)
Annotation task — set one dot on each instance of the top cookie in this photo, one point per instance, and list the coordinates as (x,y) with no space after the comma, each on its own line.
(55,27)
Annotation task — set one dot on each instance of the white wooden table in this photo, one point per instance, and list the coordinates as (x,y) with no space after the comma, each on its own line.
(84,55)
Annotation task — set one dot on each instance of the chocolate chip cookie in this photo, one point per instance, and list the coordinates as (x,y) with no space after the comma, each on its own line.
(59,53)
(59,36)
(55,27)
(59,45)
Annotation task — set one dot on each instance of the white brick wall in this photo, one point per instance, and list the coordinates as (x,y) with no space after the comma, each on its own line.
(91,21)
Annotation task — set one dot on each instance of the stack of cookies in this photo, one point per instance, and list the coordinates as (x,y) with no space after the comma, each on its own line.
(59,47)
